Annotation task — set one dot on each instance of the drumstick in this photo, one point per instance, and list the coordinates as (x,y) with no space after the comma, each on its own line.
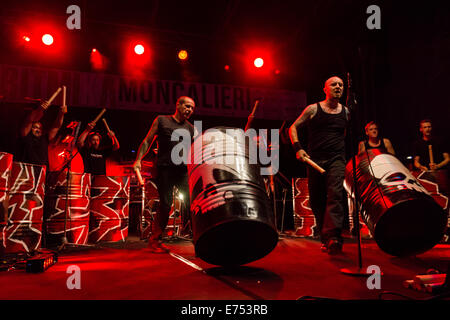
(139,176)
(106,125)
(430,153)
(49,101)
(99,115)
(64,96)
(314,165)
(254,108)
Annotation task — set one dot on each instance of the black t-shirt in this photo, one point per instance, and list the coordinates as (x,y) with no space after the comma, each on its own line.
(421,150)
(326,134)
(166,126)
(95,160)
(32,149)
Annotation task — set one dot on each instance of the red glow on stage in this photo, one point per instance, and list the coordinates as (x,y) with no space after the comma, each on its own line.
(47,39)
(98,61)
(137,54)
(182,55)
(258,62)
(277,71)
(139,49)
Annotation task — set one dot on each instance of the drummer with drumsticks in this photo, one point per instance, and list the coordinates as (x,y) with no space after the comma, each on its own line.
(430,153)
(94,155)
(34,140)
(326,123)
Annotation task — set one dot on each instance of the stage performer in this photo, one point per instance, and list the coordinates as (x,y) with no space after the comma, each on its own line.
(94,155)
(33,141)
(374,141)
(326,124)
(169,174)
(430,153)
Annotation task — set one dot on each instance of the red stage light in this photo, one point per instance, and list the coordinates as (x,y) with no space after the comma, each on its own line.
(139,49)
(259,62)
(227,68)
(94,50)
(182,55)
(47,39)
(27,39)
(277,71)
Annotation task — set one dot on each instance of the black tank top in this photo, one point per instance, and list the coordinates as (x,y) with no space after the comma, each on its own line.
(166,125)
(326,134)
(381,147)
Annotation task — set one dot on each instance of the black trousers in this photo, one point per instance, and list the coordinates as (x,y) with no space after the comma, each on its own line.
(326,197)
(167,178)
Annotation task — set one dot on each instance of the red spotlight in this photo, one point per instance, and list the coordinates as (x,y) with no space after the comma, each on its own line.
(139,49)
(94,50)
(47,39)
(277,71)
(182,55)
(259,62)
(227,68)
(27,39)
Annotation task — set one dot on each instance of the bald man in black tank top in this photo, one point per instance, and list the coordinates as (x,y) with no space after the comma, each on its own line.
(169,174)
(326,123)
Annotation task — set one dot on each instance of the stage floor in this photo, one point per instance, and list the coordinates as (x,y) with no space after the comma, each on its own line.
(296,268)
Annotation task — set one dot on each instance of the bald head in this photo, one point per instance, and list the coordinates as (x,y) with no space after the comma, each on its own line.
(334,88)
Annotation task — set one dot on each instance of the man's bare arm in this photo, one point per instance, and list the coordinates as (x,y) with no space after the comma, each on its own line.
(418,165)
(443,163)
(306,115)
(57,124)
(146,143)
(389,146)
(34,116)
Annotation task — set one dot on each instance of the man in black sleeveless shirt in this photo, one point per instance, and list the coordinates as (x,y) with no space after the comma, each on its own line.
(326,123)
(170,173)
(33,142)
(374,141)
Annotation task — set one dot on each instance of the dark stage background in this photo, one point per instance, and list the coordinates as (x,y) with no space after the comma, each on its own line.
(400,72)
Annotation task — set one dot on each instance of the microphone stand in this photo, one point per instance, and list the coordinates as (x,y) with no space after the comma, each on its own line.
(351,104)
(68,165)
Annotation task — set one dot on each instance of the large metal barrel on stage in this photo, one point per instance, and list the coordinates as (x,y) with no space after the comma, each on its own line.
(109,207)
(232,219)
(6,160)
(401,215)
(72,194)
(26,204)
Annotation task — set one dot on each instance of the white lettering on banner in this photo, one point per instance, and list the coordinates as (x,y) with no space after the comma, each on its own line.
(86,89)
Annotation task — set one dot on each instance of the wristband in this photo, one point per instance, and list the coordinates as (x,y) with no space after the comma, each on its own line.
(297,146)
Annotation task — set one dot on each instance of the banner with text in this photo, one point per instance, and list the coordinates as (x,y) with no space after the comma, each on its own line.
(86,89)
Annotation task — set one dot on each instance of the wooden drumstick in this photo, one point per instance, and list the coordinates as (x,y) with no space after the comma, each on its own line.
(430,153)
(106,125)
(64,96)
(99,115)
(49,101)
(314,165)
(254,108)
(139,176)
